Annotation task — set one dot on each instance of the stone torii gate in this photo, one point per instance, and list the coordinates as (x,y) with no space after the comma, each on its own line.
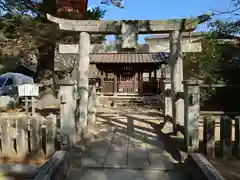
(129,29)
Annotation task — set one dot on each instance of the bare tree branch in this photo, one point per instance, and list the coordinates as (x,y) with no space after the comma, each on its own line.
(233,9)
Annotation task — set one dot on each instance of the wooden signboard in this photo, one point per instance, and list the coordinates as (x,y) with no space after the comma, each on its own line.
(28,90)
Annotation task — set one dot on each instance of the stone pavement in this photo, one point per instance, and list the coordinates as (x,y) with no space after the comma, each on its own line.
(125,147)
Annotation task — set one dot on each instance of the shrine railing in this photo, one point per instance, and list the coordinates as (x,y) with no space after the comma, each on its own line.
(221,134)
(213,133)
(22,134)
(221,129)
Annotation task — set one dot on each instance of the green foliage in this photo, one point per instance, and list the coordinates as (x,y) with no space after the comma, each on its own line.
(25,21)
(95,13)
(226,27)
(219,62)
(204,65)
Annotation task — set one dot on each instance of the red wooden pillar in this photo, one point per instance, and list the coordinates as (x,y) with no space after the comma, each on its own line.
(115,83)
(155,81)
(140,82)
(135,82)
(102,82)
(155,74)
(149,76)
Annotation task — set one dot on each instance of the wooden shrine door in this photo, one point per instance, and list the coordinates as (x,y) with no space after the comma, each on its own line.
(127,83)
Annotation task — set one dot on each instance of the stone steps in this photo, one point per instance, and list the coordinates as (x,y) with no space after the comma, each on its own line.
(130,101)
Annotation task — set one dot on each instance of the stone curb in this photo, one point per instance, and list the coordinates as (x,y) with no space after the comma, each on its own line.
(18,170)
(199,168)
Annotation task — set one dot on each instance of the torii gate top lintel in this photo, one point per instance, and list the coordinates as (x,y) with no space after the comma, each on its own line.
(141,26)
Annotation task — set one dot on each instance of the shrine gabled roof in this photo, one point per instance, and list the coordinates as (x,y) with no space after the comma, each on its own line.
(160,57)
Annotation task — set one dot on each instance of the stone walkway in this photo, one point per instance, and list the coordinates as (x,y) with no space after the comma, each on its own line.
(125,147)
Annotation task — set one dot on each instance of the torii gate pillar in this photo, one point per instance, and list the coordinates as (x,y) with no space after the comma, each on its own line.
(83,70)
(176,70)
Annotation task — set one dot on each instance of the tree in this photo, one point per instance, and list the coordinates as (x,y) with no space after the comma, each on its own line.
(203,65)
(25,30)
(227,63)
(25,22)
(216,57)
(219,61)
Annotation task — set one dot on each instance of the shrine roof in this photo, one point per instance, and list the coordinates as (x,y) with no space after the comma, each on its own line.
(160,57)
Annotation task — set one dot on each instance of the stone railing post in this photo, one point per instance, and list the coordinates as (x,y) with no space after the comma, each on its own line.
(192,114)
(92,103)
(168,126)
(167,98)
(67,111)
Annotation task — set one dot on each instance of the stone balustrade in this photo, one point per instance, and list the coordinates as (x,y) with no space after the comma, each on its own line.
(21,134)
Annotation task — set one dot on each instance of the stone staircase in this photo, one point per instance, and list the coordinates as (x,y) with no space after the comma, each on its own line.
(131,101)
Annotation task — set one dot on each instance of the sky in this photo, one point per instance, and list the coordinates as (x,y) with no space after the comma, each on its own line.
(163,9)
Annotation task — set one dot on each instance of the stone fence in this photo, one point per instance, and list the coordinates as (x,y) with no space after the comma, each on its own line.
(219,137)
(192,122)
(58,165)
(224,128)
(21,134)
(221,127)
